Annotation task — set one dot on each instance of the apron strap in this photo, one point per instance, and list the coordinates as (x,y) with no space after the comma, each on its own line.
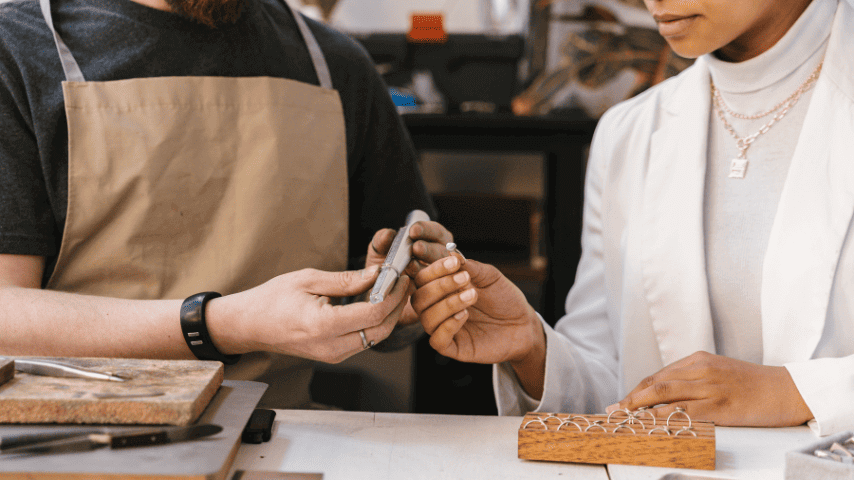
(74,74)
(317,57)
(69,64)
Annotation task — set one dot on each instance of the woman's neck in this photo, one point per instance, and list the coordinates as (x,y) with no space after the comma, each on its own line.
(157,4)
(764,35)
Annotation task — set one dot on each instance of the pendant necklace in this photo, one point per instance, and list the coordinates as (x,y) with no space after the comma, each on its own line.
(738,166)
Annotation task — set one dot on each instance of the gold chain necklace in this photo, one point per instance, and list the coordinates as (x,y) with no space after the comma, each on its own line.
(738,166)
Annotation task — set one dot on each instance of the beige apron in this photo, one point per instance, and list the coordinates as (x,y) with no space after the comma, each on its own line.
(178,185)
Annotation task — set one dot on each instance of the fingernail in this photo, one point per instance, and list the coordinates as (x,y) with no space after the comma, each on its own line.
(461,277)
(450,262)
(461,315)
(611,408)
(468,295)
(370,271)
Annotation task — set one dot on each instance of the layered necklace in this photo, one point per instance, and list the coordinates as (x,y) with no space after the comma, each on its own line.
(738,166)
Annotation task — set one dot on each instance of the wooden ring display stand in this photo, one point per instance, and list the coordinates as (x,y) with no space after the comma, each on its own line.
(541,439)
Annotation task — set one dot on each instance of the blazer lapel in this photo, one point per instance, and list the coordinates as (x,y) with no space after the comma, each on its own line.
(674,265)
(815,211)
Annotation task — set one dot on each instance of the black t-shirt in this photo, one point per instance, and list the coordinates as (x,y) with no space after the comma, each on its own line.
(121,39)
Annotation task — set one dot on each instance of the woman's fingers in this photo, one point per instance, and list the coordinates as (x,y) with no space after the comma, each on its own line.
(443,292)
(444,338)
(693,367)
(436,270)
(438,289)
(449,307)
(667,392)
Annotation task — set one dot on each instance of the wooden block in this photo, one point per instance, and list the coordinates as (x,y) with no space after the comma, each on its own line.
(7,370)
(209,458)
(186,386)
(552,438)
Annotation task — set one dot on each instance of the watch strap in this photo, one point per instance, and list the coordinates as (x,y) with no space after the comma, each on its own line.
(195,329)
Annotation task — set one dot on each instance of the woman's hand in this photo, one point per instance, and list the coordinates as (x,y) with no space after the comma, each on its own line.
(722,390)
(475,314)
(293,314)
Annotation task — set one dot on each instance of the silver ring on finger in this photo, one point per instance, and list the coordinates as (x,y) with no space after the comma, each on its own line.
(365,343)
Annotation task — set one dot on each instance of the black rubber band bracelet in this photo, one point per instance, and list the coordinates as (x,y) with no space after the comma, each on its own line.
(196,329)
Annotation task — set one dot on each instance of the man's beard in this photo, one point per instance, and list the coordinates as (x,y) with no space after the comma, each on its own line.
(212,13)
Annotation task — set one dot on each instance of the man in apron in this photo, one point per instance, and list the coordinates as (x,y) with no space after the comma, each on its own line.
(195,152)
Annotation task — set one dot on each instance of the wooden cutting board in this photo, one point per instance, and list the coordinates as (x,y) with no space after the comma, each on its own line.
(208,458)
(165,392)
(7,370)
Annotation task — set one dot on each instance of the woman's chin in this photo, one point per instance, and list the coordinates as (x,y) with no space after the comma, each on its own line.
(686,49)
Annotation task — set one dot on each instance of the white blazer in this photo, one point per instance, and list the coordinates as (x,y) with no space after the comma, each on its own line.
(640,299)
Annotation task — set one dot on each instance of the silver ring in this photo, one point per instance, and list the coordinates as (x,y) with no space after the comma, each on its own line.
(596,423)
(365,343)
(643,410)
(552,416)
(624,426)
(685,429)
(536,420)
(567,422)
(632,420)
(452,247)
(623,410)
(663,429)
(682,411)
(572,418)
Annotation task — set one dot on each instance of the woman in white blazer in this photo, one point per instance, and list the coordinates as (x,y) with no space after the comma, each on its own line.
(686,258)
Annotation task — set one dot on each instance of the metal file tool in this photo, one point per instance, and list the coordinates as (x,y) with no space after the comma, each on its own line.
(398,257)
(58,369)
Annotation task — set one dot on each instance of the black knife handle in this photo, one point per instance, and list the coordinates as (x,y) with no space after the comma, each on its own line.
(140,439)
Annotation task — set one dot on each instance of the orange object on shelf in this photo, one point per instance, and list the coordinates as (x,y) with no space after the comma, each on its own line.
(428,28)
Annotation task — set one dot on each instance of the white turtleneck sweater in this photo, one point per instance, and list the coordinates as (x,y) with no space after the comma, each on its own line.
(739,213)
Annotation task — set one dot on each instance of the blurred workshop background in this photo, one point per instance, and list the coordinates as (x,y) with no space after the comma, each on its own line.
(501,98)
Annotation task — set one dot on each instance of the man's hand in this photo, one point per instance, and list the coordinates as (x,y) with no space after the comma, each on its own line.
(722,390)
(475,314)
(292,314)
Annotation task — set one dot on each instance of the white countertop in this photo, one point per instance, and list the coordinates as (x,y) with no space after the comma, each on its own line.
(377,446)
